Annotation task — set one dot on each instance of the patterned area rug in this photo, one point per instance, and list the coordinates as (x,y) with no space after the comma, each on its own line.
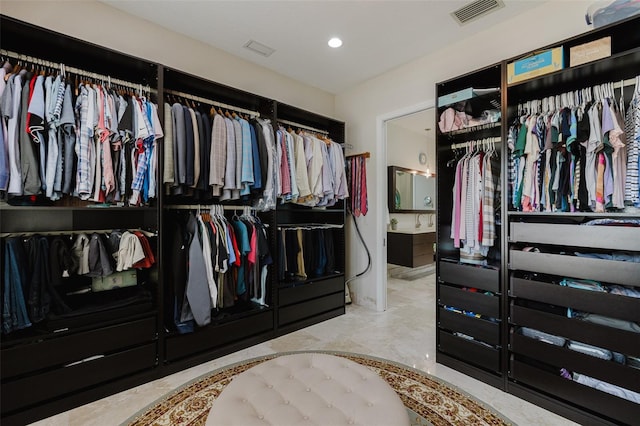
(429,401)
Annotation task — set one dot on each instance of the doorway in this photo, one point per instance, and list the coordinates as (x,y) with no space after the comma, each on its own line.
(407,139)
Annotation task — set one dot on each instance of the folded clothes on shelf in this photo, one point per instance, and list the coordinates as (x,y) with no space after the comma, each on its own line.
(604,320)
(467,337)
(613,222)
(607,387)
(460,311)
(620,256)
(590,350)
(624,291)
(590,285)
(542,336)
(633,361)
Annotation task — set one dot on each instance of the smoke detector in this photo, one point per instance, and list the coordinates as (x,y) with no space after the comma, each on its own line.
(476,10)
(259,48)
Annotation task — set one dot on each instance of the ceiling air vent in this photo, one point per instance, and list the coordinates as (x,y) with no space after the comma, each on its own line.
(475,10)
(259,48)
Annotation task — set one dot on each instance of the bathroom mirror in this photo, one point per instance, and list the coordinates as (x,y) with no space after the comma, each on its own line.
(411,191)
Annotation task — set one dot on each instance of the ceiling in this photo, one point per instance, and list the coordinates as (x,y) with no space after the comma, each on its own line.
(417,122)
(378,35)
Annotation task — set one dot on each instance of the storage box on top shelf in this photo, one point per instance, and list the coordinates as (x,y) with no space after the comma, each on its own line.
(463,95)
(536,65)
(588,52)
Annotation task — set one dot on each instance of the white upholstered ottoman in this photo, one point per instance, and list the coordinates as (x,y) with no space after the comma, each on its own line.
(308,389)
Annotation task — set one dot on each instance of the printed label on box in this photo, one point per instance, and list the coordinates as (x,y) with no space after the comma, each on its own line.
(588,52)
(534,66)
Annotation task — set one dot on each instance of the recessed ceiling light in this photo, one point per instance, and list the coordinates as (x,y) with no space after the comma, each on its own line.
(335,42)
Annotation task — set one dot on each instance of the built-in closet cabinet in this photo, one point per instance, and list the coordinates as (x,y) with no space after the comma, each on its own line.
(562,268)
(469,292)
(564,280)
(303,301)
(245,322)
(108,340)
(130,337)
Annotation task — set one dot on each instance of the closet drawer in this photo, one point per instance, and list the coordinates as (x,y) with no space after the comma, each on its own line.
(605,237)
(73,347)
(217,335)
(607,405)
(470,276)
(481,329)
(20,393)
(608,371)
(612,305)
(300,311)
(469,301)
(614,339)
(310,290)
(625,273)
(469,351)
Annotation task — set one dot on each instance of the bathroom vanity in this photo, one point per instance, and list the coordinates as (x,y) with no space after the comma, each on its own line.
(410,247)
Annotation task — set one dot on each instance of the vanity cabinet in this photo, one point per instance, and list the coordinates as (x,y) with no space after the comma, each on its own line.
(410,249)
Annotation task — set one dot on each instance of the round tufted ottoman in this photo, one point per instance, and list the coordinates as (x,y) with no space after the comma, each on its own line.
(308,389)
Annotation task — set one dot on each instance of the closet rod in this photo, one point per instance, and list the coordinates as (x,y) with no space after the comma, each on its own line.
(302,126)
(212,102)
(363,154)
(624,83)
(469,143)
(105,78)
(73,232)
(205,207)
(284,226)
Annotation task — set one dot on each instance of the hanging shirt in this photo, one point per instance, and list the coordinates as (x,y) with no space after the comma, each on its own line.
(237,131)
(230,169)
(246,174)
(168,174)
(302,178)
(193,127)
(218,154)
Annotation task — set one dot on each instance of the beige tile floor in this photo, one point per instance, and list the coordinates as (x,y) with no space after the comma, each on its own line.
(404,333)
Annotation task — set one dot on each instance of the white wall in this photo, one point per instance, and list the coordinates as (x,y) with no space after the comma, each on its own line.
(109,27)
(404,147)
(414,84)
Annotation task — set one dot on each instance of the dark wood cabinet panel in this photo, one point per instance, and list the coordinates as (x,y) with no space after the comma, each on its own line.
(411,250)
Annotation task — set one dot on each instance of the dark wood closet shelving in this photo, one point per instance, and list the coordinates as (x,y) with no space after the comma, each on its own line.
(527,288)
(132,345)
(466,342)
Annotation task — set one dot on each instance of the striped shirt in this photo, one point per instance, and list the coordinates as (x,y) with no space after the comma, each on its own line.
(632,132)
(83,145)
(218,154)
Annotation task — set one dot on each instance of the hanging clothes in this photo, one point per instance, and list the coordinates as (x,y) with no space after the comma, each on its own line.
(306,252)
(217,264)
(57,143)
(476,194)
(216,156)
(357,185)
(572,152)
(310,169)
(632,134)
(48,278)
